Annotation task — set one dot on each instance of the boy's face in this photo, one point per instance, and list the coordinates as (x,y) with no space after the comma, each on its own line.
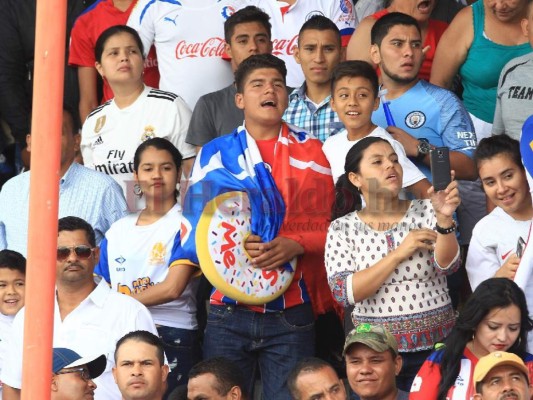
(318,53)
(264,97)
(12,285)
(354,101)
(248,38)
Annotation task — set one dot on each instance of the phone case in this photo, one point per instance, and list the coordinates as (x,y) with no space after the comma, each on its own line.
(520,247)
(440,167)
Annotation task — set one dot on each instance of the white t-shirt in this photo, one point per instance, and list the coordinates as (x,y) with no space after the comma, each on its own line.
(490,246)
(336,148)
(189,39)
(5,330)
(140,260)
(494,238)
(111,135)
(286,26)
(91,329)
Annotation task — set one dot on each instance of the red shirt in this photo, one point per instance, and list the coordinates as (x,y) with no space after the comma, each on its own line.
(88,27)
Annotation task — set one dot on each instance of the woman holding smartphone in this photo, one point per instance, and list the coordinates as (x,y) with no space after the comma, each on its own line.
(494,252)
(389,259)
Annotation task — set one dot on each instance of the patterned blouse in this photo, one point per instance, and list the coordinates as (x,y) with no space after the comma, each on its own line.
(413,303)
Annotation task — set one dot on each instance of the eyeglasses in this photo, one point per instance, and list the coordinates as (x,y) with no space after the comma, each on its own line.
(82,252)
(84,373)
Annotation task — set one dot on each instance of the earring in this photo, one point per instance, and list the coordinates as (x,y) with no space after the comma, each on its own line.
(358,189)
(137,191)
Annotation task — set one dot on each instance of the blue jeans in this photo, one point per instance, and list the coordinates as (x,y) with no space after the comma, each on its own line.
(183,350)
(274,342)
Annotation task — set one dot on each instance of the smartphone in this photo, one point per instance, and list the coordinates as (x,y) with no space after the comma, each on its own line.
(441,174)
(520,247)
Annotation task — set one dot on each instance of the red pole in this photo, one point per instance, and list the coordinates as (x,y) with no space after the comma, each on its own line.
(44,195)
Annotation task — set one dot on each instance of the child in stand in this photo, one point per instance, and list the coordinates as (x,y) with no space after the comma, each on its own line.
(12,284)
(354,97)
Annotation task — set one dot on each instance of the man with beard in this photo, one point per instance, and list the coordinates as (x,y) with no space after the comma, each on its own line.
(425,116)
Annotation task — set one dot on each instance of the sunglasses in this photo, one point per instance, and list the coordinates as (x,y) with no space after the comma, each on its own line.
(82,252)
(84,374)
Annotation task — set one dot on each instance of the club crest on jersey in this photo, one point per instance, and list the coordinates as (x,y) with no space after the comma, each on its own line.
(313,13)
(157,254)
(100,122)
(148,133)
(346,6)
(227,11)
(415,119)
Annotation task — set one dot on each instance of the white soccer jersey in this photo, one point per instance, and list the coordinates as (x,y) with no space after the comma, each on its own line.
(111,135)
(287,24)
(139,260)
(189,41)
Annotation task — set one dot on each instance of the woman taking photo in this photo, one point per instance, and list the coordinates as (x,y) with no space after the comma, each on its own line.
(389,258)
(113,130)
(495,318)
(136,250)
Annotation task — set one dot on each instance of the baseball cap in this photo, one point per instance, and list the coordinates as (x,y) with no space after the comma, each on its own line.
(372,335)
(486,363)
(66,358)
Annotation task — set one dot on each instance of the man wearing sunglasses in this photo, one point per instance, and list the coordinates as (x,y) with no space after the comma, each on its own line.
(73,375)
(88,318)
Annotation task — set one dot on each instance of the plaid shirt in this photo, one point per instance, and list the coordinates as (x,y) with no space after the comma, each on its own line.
(322,122)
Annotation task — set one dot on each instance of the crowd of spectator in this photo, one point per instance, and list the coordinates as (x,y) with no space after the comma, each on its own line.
(250,202)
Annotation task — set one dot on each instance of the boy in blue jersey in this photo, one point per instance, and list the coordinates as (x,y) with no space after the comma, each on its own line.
(423,113)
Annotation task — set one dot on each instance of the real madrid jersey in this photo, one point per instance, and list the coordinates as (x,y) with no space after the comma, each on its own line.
(111,135)
(189,41)
(286,23)
(138,260)
(430,112)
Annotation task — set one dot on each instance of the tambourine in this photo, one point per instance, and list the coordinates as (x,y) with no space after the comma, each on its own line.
(221,233)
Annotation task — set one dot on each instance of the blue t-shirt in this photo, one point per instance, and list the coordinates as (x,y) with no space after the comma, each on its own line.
(430,112)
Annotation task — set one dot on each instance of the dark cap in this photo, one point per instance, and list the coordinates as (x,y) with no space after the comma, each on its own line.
(66,358)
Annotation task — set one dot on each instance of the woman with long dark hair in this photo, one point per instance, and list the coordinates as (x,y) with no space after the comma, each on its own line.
(389,259)
(113,131)
(495,318)
(135,254)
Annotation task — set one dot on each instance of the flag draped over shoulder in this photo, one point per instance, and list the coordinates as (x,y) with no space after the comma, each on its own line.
(294,200)
(231,163)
